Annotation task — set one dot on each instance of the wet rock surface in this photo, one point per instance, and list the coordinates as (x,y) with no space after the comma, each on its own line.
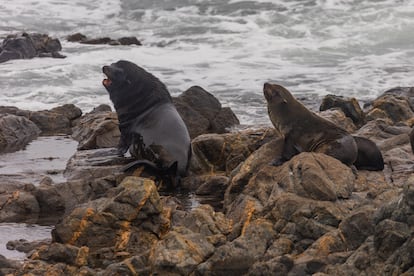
(16,132)
(29,45)
(81,38)
(310,215)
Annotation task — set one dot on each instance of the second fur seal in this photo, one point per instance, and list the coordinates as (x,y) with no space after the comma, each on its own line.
(304,131)
(150,125)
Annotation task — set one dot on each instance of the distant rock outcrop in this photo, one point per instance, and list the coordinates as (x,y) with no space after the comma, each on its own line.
(78,37)
(29,45)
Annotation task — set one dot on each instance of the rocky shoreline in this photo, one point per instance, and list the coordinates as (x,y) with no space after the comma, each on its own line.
(311,215)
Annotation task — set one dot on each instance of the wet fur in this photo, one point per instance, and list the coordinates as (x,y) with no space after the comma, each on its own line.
(151,128)
(304,131)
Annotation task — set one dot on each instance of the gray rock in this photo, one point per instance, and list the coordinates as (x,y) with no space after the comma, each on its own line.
(349,106)
(16,132)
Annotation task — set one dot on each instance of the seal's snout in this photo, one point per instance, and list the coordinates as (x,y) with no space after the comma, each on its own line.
(107,81)
(267,91)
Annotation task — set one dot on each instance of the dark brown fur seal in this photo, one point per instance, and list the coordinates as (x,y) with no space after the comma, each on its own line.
(304,131)
(151,128)
(369,155)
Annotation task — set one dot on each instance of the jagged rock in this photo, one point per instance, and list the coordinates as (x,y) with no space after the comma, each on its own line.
(205,221)
(50,200)
(238,256)
(18,206)
(396,108)
(339,118)
(213,152)
(16,132)
(349,106)
(8,266)
(29,45)
(14,111)
(203,113)
(390,235)
(129,40)
(407,92)
(356,227)
(278,266)
(97,129)
(131,220)
(211,186)
(25,246)
(243,173)
(310,175)
(5,263)
(57,252)
(93,164)
(57,120)
(379,130)
(78,37)
(132,266)
(180,252)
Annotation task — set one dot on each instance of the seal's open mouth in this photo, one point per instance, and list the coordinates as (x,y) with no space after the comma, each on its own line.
(107,81)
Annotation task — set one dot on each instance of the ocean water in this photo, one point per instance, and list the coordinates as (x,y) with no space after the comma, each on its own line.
(18,231)
(229,47)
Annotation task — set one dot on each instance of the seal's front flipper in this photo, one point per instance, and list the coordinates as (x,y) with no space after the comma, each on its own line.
(175,179)
(142,162)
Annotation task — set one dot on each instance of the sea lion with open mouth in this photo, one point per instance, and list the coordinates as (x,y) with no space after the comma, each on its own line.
(304,131)
(151,128)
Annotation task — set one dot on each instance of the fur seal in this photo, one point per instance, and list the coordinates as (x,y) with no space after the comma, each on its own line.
(151,128)
(369,155)
(304,131)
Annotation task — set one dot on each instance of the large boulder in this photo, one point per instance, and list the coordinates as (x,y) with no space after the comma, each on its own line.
(203,113)
(180,252)
(58,120)
(93,164)
(131,220)
(19,206)
(237,256)
(29,45)
(214,153)
(310,175)
(97,129)
(16,132)
(407,92)
(395,108)
(349,106)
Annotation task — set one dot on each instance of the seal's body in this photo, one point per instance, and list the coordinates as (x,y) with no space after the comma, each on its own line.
(369,155)
(150,125)
(304,131)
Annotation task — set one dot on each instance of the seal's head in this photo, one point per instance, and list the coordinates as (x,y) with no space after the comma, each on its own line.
(275,94)
(132,89)
(116,77)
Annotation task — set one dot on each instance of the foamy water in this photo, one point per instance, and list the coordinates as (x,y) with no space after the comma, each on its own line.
(352,48)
